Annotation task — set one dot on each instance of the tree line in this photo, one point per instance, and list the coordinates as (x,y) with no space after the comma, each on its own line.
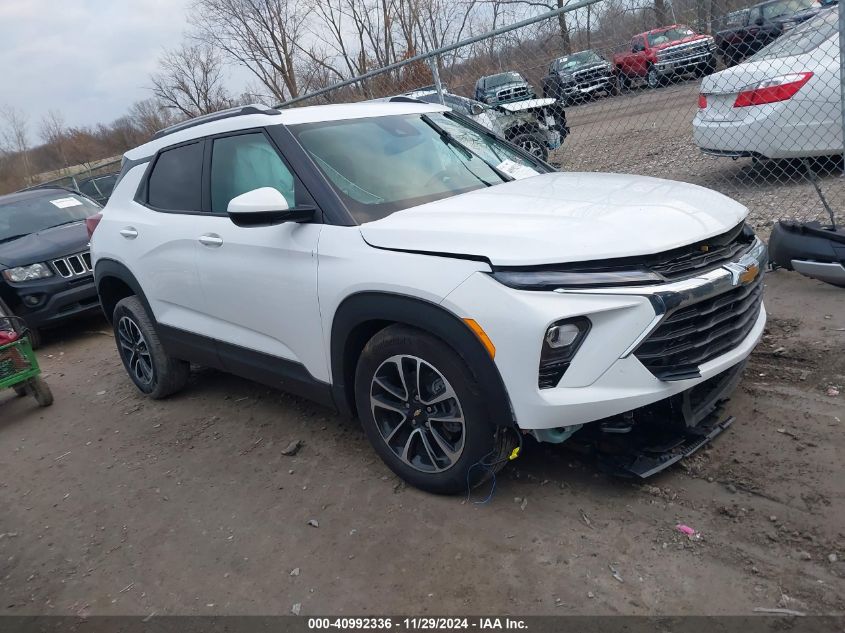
(290,48)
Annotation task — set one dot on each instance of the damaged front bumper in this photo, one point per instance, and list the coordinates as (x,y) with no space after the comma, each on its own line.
(647,440)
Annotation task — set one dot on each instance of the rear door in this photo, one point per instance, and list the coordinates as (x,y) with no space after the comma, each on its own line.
(159,235)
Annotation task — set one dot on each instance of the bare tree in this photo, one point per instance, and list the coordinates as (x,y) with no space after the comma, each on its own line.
(14,133)
(190,80)
(53,132)
(550,5)
(660,12)
(264,36)
(151,115)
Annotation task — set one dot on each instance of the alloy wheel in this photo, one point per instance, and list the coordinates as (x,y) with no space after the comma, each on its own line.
(532,147)
(417,413)
(653,78)
(135,351)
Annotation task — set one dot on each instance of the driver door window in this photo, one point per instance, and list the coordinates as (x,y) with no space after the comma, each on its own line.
(246,162)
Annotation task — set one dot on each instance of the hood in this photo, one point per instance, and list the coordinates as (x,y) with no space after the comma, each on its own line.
(45,245)
(527,104)
(583,67)
(686,40)
(559,218)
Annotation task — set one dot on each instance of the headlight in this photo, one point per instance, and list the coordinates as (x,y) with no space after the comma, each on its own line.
(553,279)
(560,343)
(27,273)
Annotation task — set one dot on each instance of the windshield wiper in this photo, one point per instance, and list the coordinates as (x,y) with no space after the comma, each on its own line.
(12,237)
(451,140)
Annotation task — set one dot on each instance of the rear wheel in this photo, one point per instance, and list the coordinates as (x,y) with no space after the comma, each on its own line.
(623,82)
(422,410)
(154,372)
(532,144)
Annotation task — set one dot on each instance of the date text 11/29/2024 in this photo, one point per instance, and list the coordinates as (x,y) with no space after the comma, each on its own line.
(417,624)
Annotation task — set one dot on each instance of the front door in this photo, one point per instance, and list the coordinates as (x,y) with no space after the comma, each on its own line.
(260,283)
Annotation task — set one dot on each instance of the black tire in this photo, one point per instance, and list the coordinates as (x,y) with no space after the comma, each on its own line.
(623,82)
(40,390)
(653,78)
(20,390)
(154,372)
(532,144)
(442,371)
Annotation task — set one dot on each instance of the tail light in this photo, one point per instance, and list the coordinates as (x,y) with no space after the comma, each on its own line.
(91,224)
(772,90)
(702,101)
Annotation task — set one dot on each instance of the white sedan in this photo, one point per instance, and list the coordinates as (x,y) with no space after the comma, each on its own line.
(784,102)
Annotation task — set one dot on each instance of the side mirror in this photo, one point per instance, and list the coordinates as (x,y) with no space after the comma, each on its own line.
(265,206)
(476,108)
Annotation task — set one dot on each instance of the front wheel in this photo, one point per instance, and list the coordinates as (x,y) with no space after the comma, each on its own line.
(623,83)
(423,411)
(154,372)
(40,390)
(532,144)
(653,78)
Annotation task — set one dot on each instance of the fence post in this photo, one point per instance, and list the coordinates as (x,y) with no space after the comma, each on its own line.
(435,73)
(842,77)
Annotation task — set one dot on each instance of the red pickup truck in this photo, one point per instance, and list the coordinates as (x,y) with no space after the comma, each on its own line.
(659,54)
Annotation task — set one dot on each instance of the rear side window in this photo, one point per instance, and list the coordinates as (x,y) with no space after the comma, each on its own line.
(176,180)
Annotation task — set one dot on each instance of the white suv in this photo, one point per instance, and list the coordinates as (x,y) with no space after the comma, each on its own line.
(399,262)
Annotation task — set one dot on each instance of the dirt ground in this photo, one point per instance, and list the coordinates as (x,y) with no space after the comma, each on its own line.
(113,504)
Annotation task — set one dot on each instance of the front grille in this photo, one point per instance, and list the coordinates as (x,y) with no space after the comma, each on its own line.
(699,332)
(72,266)
(512,94)
(702,256)
(684,51)
(592,76)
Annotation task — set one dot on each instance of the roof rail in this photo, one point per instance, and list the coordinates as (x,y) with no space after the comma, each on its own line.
(255,108)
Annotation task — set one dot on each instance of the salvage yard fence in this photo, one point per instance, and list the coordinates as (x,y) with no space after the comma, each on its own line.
(747,101)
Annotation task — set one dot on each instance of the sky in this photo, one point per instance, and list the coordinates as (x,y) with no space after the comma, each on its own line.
(89,59)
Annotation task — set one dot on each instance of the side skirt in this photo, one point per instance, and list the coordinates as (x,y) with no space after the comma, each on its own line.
(279,373)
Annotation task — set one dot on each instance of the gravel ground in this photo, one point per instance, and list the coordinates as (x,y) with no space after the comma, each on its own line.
(649,132)
(114,504)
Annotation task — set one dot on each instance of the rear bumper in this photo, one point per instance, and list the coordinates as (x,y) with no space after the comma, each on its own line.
(57,300)
(777,130)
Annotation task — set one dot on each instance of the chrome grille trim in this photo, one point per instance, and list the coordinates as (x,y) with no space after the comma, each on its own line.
(72,266)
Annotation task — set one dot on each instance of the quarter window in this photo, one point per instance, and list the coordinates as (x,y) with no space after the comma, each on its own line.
(176,180)
(246,162)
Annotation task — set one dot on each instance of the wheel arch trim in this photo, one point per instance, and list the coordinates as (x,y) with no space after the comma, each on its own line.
(362,314)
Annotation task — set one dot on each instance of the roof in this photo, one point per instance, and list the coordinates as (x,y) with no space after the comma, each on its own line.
(290,116)
(27,194)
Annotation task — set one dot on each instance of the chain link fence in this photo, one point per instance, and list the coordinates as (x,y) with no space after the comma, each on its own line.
(744,99)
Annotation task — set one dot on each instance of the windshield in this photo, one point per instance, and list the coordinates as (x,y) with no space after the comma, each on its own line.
(384,164)
(785,7)
(803,38)
(501,80)
(571,61)
(669,35)
(22,217)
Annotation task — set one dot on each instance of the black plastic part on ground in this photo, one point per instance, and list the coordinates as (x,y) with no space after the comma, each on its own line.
(808,241)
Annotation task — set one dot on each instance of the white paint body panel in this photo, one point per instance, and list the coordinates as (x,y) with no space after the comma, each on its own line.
(561,217)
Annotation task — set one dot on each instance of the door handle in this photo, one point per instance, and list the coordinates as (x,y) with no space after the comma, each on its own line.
(211,239)
(130,233)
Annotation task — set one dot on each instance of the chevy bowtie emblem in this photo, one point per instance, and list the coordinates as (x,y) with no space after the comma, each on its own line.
(742,274)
